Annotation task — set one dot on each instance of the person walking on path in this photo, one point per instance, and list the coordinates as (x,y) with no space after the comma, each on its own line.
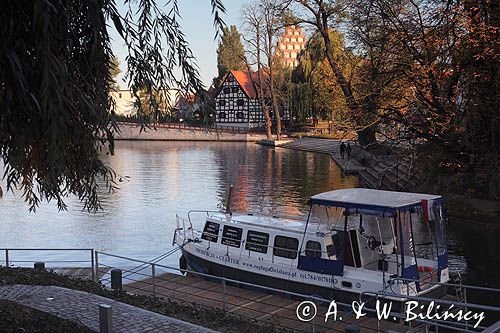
(348,151)
(342,149)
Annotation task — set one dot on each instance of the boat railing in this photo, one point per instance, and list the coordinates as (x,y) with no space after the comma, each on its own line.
(207,212)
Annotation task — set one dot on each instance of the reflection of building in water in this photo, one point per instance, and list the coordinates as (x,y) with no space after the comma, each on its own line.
(275,181)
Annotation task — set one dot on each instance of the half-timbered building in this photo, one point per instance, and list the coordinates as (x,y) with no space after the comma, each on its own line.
(236,102)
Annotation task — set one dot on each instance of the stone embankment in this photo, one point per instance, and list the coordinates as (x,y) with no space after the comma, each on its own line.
(184,133)
(390,172)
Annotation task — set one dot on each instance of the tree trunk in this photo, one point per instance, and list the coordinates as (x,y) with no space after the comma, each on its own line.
(260,90)
(366,136)
(276,109)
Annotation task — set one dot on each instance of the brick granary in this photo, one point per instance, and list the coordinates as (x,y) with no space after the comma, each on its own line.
(291,44)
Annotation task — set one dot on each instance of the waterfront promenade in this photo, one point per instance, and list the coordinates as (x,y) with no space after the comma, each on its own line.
(83,308)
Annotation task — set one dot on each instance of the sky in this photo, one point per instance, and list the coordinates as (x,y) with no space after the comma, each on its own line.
(197,24)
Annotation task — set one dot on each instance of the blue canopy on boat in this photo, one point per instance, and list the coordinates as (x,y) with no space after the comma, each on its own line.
(373,202)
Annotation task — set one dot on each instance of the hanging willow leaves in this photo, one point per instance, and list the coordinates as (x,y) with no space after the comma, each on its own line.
(56,114)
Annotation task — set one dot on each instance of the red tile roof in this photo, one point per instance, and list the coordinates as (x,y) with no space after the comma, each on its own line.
(245,81)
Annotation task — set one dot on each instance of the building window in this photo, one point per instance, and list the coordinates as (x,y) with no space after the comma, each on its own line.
(240,115)
(257,241)
(282,46)
(313,249)
(294,40)
(231,236)
(230,78)
(300,39)
(222,115)
(240,102)
(285,247)
(297,46)
(235,89)
(222,102)
(293,55)
(290,46)
(287,40)
(119,95)
(227,90)
(286,55)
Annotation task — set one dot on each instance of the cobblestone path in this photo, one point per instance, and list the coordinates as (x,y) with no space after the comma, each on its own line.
(83,307)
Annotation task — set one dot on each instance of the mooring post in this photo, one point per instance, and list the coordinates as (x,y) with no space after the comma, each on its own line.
(352,328)
(224,294)
(105,318)
(116,279)
(39,265)
(153,275)
(6,258)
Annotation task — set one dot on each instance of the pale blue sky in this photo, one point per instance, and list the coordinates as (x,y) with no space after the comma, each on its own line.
(197,23)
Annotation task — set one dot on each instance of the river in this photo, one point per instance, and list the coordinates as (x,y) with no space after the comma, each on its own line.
(169,178)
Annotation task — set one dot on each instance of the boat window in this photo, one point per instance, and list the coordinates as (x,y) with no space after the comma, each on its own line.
(257,241)
(231,236)
(211,231)
(285,247)
(313,249)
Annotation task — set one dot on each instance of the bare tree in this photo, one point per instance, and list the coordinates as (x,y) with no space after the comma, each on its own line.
(271,10)
(253,23)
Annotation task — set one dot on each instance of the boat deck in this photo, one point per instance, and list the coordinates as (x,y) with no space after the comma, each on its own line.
(266,308)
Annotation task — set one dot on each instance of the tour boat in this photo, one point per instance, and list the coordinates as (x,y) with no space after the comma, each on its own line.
(354,242)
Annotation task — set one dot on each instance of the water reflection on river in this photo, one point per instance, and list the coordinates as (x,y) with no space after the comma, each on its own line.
(168,178)
(173,177)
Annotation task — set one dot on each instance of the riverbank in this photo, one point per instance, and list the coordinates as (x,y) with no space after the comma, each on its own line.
(133,132)
(392,172)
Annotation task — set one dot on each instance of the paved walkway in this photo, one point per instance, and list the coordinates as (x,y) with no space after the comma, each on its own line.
(83,307)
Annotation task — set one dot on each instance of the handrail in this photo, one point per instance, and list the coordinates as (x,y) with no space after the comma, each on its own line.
(91,260)
(457,326)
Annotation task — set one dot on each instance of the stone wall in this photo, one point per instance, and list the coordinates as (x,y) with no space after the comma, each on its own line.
(132,132)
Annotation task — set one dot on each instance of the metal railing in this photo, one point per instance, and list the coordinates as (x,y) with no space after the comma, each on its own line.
(193,127)
(148,277)
(153,282)
(44,254)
